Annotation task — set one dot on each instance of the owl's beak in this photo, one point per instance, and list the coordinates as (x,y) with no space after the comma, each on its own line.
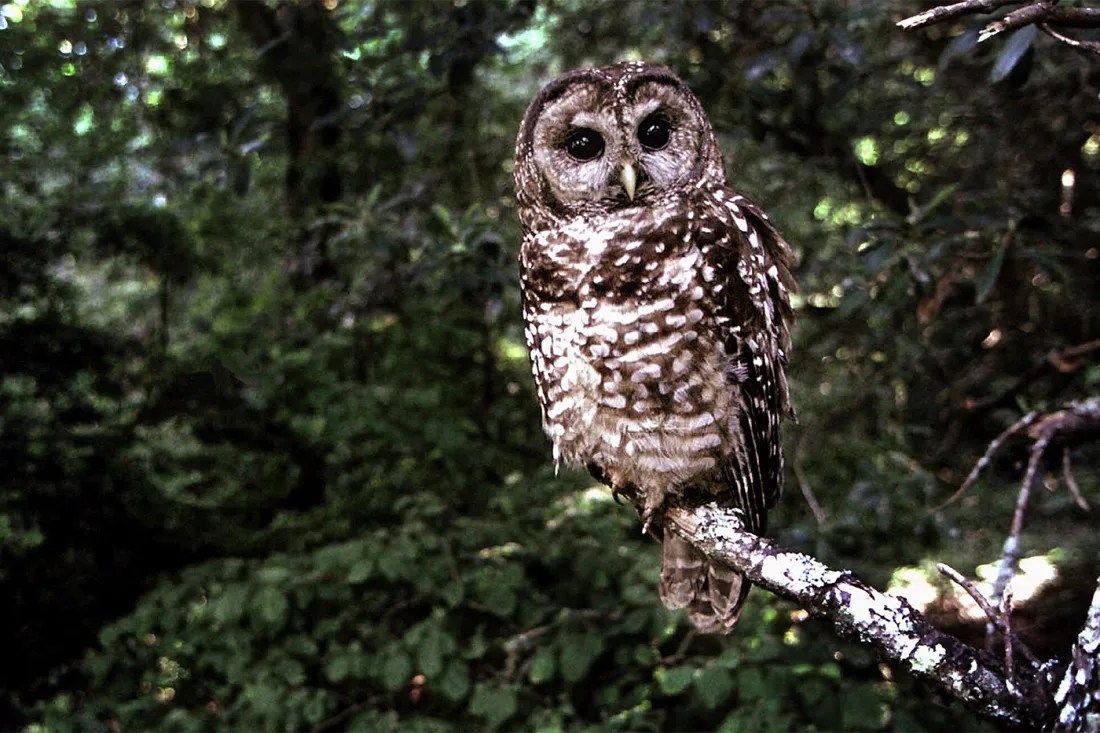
(629,178)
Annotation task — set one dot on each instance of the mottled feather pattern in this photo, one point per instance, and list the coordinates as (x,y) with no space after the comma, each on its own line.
(652,348)
(658,333)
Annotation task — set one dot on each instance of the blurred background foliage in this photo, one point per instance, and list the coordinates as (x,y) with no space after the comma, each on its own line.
(271,456)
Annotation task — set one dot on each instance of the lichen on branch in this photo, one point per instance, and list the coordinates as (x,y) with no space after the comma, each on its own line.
(896,630)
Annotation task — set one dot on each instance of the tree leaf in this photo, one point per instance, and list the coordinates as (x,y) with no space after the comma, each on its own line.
(992,271)
(454,684)
(673,680)
(751,685)
(436,646)
(542,665)
(713,686)
(1017,45)
(961,44)
(337,667)
(578,651)
(271,604)
(494,704)
(863,708)
(396,669)
(360,571)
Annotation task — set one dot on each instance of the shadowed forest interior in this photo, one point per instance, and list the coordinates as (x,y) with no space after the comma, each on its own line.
(270,453)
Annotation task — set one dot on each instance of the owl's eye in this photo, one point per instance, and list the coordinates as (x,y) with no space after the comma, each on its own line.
(583,144)
(654,132)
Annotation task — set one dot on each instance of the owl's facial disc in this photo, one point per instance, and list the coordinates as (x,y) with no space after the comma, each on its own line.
(598,142)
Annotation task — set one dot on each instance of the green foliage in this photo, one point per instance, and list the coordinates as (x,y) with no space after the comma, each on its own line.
(272,458)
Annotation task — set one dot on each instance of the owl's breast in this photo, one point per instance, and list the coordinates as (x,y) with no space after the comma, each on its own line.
(630,367)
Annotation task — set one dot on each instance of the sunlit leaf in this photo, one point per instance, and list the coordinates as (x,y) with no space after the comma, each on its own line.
(543,665)
(673,680)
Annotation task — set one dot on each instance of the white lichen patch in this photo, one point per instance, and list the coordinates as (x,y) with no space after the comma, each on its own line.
(924,659)
(792,571)
(870,612)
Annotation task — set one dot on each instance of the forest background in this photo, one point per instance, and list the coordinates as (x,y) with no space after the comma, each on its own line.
(269,448)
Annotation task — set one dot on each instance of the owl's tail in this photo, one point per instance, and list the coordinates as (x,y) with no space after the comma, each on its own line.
(713,594)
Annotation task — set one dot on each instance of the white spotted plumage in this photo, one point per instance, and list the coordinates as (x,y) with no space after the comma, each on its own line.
(657,319)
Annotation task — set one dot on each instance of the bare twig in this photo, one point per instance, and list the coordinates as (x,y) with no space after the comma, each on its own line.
(525,640)
(1010,554)
(1076,422)
(804,485)
(681,649)
(1071,482)
(987,457)
(1090,46)
(1075,352)
(1000,620)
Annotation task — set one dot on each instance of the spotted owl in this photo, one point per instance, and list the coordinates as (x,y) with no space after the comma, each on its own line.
(656,306)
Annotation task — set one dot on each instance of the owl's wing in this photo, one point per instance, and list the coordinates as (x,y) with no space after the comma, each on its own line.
(753,311)
(540,285)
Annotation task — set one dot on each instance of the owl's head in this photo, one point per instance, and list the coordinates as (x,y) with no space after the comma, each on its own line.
(614,137)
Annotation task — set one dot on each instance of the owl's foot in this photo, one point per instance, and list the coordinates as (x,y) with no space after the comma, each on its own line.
(618,489)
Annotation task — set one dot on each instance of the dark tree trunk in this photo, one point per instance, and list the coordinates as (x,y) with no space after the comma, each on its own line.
(296,45)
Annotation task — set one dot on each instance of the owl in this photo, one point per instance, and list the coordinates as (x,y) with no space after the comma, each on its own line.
(656,303)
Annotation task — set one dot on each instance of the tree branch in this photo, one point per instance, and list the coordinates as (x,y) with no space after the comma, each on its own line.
(1043,13)
(1026,15)
(946,12)
(1079,706)
(1090,46)
(897,631)
(1045,10)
